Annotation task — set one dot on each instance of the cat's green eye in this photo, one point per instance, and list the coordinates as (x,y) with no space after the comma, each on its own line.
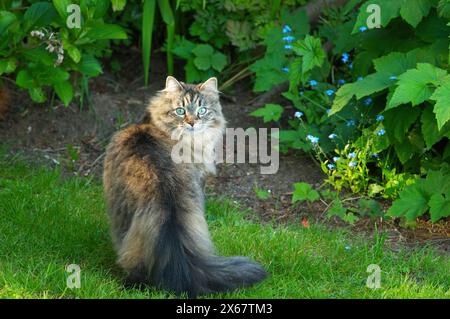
(201,111)
(180,111)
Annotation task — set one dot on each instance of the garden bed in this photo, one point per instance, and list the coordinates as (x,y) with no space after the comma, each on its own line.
(74,139)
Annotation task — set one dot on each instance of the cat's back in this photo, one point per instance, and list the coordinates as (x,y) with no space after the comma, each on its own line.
(133,159)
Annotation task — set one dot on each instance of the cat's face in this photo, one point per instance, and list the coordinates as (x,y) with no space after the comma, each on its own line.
(183,108)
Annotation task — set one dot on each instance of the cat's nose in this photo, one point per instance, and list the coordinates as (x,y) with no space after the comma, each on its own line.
(190,121)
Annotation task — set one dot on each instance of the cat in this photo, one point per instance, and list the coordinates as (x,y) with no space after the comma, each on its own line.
(156,206)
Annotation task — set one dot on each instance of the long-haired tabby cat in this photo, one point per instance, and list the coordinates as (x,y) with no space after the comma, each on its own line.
(157,206)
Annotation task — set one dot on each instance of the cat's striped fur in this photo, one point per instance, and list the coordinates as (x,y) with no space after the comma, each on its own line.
(157,207)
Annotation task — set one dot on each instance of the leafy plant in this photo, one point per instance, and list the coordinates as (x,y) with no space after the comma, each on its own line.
(270,112)
(42,49)
(373,107)
(430,194)
(304,192)
(262,194)
(202,60)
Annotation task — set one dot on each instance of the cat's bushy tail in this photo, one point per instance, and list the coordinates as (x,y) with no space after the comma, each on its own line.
(180,263)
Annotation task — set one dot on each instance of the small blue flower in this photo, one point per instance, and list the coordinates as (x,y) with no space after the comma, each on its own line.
(312,139)
(368,101)
(336,158)
(301,92)
(341,82)
(393,78)
(288,47)
(362,29)
(350,66)
(352,155)
(329,92)
(375,155)
(352,164)
(379,118)
(328,111)
(350,123)
(347,247)
(331,166)
(313,82)
(288,38)
(381,132)
(286,29)
(359,78)
(298,114)
(332,136)
(285,69)
(345,57)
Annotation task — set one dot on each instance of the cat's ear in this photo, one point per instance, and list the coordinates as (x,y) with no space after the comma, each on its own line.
(172,85)
(209,85)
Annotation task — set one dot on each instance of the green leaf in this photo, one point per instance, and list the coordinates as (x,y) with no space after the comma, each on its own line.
(442,106)
(39,14)
(404,150)
(270,112)
(37,95)
(311,50)
(192,73)
(204,57)
(89,66)
(25,80)
(64,91)
(414,85)
(203,62)
(370,84)
(6,19)
(386,66)
(203,50)
(74,53)
(397,121)
(412,202)
(430,130)
(396,63)
(413,11)
(268,69)
(337,210)
(166,11)
(304,191)
(102,31)
(118,5)
(262,194)
(443,9)
(183,48)
(7,66)
(61,7)
(297,20)
(350,218)
(439,206)
(148,17)
(369,207)
(389,9)
(218,61)
(268,73)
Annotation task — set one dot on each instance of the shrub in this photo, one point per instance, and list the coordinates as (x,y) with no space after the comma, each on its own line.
(42,46)
(374,109)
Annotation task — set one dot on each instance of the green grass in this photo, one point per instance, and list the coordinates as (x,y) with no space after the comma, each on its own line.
(48,222)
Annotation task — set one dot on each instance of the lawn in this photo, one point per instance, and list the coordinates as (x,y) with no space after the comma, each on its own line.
(48,222)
